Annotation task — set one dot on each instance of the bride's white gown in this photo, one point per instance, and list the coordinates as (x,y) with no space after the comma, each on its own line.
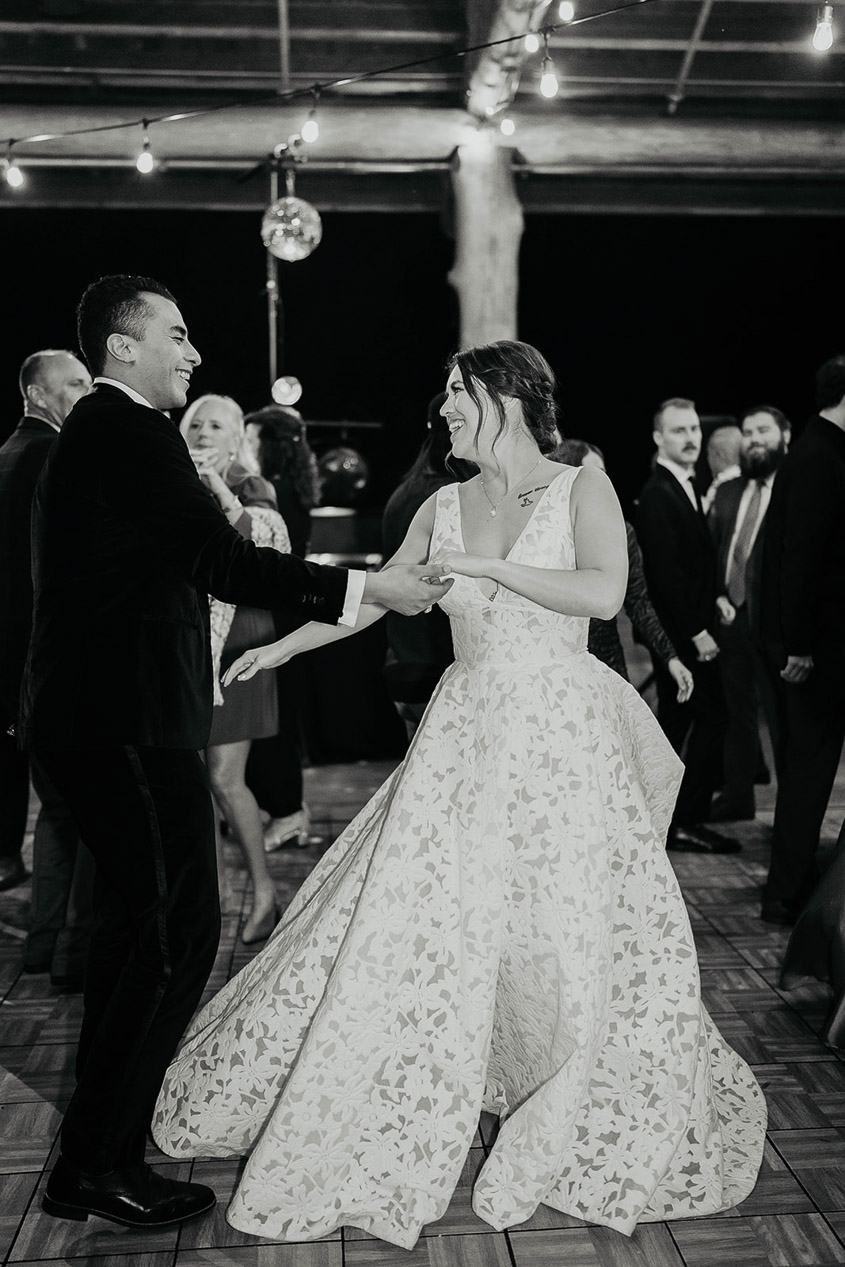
(499,928)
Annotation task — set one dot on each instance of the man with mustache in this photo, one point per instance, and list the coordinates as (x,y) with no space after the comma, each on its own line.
(680,567)
(737,521)
(117,703)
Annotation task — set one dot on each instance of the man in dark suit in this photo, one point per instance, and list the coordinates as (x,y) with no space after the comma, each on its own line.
(680,567)
(803,615)
(51,382)
(737,521)
(117,702)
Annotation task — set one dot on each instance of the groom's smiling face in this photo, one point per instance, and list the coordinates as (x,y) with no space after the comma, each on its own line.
(164,359)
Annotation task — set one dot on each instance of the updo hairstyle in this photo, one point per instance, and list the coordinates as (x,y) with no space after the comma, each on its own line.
(508,369)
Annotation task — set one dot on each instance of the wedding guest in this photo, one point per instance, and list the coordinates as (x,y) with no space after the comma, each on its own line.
(723,449)
(803,615)
(419,648)
(604,640)
(59,925)
(116,703)
(50,383)
(213,427)
(738,522)
(276,438)
(680,569)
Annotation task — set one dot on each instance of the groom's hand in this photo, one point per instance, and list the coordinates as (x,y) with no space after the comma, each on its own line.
(407,590)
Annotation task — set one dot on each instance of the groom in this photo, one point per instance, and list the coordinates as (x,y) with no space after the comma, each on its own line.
(117,702)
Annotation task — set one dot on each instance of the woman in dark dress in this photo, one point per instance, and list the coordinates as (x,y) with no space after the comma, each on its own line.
(213,427)
(603,639)
(275,436)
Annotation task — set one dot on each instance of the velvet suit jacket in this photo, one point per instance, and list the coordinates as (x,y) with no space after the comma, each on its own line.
(21,460)
(803,598)
(679,559)
(722,520)
(127,544)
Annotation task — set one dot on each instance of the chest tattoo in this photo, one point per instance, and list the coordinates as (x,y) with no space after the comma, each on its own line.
(527,498)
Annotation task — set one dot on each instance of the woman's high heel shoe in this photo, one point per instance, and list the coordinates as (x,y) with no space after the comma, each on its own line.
(259,926)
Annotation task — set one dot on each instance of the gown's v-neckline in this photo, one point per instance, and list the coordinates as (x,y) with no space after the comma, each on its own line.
(504,558)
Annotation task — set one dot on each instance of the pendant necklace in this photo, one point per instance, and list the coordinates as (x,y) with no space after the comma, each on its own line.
(494,506)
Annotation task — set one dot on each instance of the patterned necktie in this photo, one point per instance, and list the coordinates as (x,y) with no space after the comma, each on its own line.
(742,547)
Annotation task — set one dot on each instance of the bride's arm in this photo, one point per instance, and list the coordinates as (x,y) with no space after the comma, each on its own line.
(597,586)
(413,551)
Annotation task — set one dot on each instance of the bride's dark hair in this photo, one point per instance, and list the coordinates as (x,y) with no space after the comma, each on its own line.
(511,370)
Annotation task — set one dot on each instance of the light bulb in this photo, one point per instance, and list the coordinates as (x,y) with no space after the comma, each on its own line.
(507,127)
(549,83)
(145,161)
(14,175)
(823,34)
(566,12)
(310,130)
(532,42)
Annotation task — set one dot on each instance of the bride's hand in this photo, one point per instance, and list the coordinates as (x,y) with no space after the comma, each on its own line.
(477,565)
(252,662)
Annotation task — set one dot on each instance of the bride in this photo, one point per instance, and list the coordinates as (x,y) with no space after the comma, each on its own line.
(499,928)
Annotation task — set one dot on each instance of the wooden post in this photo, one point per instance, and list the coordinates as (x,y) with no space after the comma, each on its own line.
(488,229)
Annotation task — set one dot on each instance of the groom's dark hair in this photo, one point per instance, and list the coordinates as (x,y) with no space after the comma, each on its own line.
(114,305)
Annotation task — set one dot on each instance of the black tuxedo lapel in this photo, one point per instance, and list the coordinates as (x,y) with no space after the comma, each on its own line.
(674,487)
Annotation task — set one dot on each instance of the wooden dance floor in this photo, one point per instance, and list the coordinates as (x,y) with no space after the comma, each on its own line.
(795,1216)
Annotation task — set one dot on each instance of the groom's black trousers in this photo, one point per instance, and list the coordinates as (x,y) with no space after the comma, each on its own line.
(146,815)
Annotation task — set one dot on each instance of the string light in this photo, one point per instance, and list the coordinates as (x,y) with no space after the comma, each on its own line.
(566,12)
(310,131)
(548,80)
(823,34)
(507,127)
(145,161)
(14,176)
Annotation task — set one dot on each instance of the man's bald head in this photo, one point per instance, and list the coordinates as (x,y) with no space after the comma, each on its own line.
(51,382)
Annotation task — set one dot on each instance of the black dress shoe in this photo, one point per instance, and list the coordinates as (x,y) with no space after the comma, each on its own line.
(777,913)
(135,1196)
(725,811)
(12,872)
(700,839)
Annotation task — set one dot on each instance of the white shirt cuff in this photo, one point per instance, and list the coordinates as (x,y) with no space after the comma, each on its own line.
(354,595)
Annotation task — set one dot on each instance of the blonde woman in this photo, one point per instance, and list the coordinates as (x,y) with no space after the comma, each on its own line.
(214,429)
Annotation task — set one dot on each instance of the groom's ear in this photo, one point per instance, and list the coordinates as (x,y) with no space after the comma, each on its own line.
(121,347)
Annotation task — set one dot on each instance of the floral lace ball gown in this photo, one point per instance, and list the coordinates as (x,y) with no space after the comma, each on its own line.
(499,928)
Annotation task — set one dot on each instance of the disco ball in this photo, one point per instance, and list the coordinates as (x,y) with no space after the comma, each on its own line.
(345,476)
(291,229)
(287,390)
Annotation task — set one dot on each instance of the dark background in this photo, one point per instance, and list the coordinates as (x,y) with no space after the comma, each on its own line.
(629,310)
(730,311)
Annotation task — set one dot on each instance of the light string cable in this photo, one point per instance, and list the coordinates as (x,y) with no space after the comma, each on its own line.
(314,91)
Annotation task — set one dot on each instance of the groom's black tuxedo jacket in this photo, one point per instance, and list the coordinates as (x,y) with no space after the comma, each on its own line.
(679,558)
(127,544)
